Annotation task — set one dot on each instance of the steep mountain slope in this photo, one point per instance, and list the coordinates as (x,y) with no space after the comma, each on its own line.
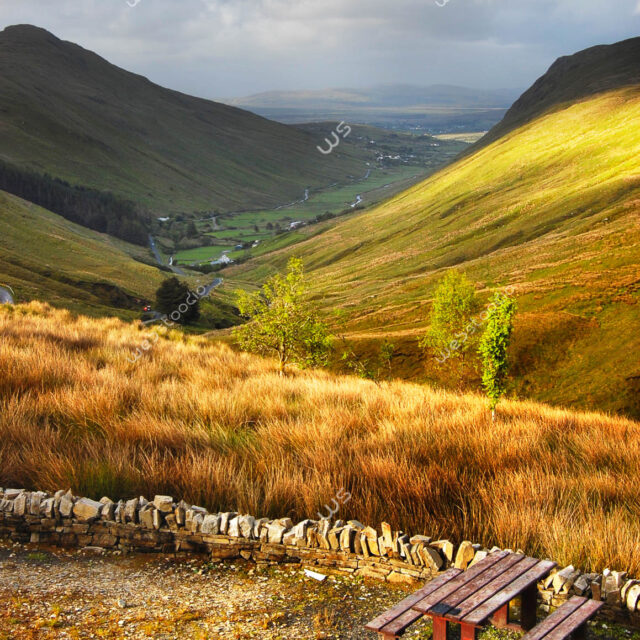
(49,258)
(553,208)
(66,111)
(573,78)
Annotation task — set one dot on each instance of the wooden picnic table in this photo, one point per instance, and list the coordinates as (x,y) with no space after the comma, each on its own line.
(482,594)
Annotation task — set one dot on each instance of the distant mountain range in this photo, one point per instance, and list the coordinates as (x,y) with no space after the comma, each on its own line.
(434,109)
(70,113)
(384,95)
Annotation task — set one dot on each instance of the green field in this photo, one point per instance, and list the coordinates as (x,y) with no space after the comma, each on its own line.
(470,138)
(240,227)
(551,208)
(414,158)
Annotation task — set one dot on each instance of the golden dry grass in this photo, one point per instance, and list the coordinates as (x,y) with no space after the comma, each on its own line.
(196,420)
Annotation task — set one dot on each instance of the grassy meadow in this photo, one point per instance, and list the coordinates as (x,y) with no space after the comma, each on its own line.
(199,421)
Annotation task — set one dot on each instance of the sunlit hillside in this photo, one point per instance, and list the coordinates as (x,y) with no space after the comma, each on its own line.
(553,209)
(193,419)
(49,258)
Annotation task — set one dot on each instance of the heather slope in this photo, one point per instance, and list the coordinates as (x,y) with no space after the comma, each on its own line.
(551,208)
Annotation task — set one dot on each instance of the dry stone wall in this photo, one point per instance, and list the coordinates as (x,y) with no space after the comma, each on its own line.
(165,526)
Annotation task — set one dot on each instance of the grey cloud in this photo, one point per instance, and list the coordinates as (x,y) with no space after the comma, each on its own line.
(228,47)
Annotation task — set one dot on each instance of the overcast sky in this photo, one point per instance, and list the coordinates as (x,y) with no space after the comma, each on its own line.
(225,48)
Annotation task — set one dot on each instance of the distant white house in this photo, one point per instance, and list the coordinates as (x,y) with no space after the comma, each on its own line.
(164,219)
(295,225)
(223,259)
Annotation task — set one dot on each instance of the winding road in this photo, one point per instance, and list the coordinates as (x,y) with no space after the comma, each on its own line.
(5,296)
(210,287)
(158,257)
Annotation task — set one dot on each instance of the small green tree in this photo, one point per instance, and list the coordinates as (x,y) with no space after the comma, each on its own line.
(281,321)
(174,299)
(493,348)
(454,303)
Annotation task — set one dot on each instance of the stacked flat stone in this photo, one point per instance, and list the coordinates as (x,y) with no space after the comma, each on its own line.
(164,525)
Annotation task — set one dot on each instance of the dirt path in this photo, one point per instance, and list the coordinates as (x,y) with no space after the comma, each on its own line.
(55,594)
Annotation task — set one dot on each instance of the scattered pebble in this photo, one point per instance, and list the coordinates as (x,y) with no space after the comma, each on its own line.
(58,594)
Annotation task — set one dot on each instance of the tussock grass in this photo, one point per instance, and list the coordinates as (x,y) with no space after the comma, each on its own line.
(196,420)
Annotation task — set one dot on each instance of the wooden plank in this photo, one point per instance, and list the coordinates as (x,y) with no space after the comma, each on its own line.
(552,621)
(468,632)
(490,606)
(402,622)
(452,603)
(491,589)
(500,618)
(428,602)
(528,608)
(574,620)
(395,612)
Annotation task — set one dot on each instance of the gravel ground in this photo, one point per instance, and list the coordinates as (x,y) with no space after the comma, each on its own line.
(50,593)
(59,594)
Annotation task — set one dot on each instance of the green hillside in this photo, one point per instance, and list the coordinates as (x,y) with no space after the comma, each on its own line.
(68,112)
(552,208)
(48,258)
(572,78)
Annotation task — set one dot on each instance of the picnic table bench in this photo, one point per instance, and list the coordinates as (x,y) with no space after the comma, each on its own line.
(471,598)
(393,623)
(568,620)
